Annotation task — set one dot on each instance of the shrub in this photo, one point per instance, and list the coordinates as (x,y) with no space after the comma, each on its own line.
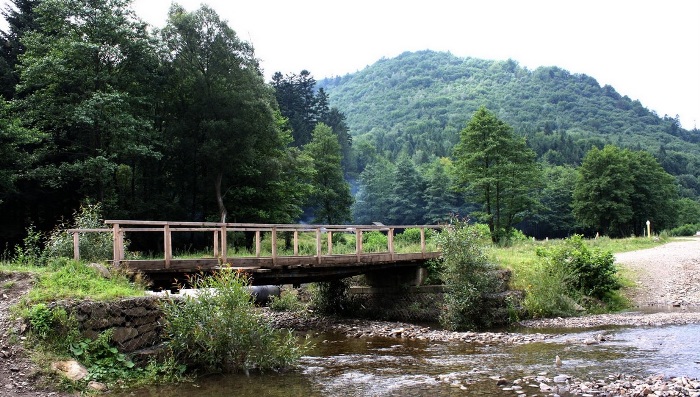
(409,236)
(468,277)
(218,330)
(688,229)
(93,246)
(30,252)
(591,272)
(288,301)
(103,361)
(548,294)
(331,297)
(374,241)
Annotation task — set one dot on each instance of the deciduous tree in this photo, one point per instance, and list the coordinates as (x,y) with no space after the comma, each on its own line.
(331,199)
(497,170)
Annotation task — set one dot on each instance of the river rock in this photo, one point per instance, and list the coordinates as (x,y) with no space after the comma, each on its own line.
(71,369)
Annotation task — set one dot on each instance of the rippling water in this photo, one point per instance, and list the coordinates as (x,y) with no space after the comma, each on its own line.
(338,366)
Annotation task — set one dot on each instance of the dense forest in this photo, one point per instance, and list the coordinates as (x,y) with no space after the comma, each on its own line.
(407,113)
(178,123)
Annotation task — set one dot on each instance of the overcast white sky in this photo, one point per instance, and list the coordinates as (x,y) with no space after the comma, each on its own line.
(647,49)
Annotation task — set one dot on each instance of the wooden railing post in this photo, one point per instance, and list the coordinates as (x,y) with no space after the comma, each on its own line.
(224,247)
(422,241)
(167,245)
(274,245)
(117,245)
(76,246)
(358,243)
(216,244)
(318,245)
(330,242)
(257,243)
(296,242)
(390,242)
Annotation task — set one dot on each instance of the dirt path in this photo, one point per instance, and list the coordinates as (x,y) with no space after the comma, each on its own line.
(19,376)
(666,276)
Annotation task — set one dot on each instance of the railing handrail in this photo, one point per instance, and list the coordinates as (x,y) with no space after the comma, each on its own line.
(220,229)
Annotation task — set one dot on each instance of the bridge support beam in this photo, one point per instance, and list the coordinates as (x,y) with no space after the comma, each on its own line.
(396,277)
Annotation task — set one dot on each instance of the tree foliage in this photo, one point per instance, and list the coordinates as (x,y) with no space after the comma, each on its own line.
(330,198)
(497,170)
(618,190)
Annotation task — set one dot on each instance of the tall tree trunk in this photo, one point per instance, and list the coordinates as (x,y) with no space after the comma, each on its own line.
(220,197)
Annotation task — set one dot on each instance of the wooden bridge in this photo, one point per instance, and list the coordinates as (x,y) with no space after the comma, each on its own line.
(306,253)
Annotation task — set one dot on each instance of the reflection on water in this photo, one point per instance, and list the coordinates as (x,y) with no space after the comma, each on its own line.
(338,366)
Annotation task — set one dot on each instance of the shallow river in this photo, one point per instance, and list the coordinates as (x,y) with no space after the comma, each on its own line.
(338,366)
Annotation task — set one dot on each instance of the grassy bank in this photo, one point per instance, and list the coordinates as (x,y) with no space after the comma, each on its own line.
(545,283)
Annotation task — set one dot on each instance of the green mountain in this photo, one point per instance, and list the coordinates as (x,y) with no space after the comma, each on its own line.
(418,102)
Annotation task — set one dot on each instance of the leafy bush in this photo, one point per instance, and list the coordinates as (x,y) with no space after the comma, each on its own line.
(331,297)
(41,320)
(288,301)
(103,361)
(29,253)
(468,277)
(548,294)
(688,229)
(591,272)
(218,330)
(374,241)
(93,246)
(409,236)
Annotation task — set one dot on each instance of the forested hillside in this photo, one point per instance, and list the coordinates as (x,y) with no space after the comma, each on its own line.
(418,102)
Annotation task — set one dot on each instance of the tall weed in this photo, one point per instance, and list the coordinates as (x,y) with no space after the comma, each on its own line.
(219,331)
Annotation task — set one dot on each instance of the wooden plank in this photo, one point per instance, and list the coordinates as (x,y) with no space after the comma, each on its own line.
(115,244)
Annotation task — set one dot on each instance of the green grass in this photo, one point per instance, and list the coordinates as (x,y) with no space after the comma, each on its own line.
(521,258)
(68,279)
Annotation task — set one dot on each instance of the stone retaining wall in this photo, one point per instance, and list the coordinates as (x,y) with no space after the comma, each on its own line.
(136,322)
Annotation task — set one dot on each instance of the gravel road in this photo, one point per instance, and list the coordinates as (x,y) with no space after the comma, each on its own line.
(666,276)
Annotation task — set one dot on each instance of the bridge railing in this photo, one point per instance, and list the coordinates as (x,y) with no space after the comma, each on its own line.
(219,232)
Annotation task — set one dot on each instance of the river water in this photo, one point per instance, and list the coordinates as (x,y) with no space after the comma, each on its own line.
(340,366)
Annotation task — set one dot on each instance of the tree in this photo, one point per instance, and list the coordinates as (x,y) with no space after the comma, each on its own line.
(299,103)
(554,215)
(375,189)
(602,195)
(440,199)
(330,200)
(15,159)
(86,77)
(655,193)
(406,203)
(496,170)
(618,190)
(20,18)
(229,147)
